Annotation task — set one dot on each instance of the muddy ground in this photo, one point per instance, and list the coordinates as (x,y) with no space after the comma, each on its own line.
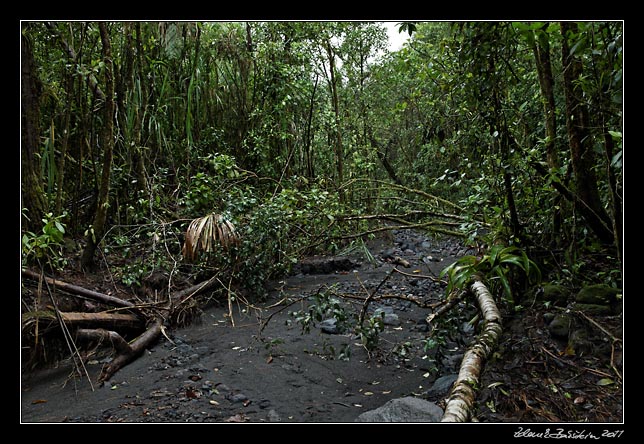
(268,368)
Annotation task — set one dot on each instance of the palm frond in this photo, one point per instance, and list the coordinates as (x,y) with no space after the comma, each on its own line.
(204,233)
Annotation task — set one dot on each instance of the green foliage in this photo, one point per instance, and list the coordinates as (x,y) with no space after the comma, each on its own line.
(496,267)
(323,306)
(46,247)
(276,231)
(369,331)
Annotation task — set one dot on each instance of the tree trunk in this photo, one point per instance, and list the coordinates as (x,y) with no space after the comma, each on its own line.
(93,82)
(541,50)
(98,227)
(128,354)
(310,172)
(31,186)
(94,320)
(463,395)
(579,139)
(75,289)
(338,149)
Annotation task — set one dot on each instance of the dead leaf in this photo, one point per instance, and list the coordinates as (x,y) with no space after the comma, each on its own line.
(192,394)
(357,405)
(213,402)
(237,418)
(579,400)
(368,393)
(386,392)
(39,401)
(247,402)
(269,360)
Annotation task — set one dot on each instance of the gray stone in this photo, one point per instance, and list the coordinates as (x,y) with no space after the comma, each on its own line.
(384,309)
(548,317)
(579,343)
(441,386)
(237,397)
(407,409)
(391,319)
(467,328)
(273,416)
(330,326)
(560,326)
(453,362)
(599,294)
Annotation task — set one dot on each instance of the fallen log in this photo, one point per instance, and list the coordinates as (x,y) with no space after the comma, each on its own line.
(98,320)
(100,335)
(80,291)
(461,399)
(131,352)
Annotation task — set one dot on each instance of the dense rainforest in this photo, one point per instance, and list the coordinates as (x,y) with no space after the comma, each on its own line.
(165,160)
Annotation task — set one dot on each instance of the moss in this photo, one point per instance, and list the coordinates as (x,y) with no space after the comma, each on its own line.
(599,294)
(557,294)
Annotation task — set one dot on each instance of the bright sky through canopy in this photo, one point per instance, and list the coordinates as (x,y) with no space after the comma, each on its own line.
(396,39)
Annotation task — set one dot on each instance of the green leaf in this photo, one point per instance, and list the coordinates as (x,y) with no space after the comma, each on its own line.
(615,134)
(605,381)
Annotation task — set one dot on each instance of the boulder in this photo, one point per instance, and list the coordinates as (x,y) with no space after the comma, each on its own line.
(330,326)
(579,342)
(441,386)
(599,294)
(594,309)
(408,409)
(560,326)
(557,294)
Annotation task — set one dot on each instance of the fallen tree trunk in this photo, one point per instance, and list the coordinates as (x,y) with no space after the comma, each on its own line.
(131,352)
(100,335)
(463,394)
(98,320)
(80,291)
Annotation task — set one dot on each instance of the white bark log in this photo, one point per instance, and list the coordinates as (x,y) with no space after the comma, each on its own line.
(461,400)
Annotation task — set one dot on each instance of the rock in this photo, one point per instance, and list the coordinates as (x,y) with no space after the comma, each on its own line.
(273,416)
(548,317)
(441,386)
(595,309)
(388,316)
(579,343)
(388,254)
(264,403)
(237,397)
(600,294)
(557,294)
(391,319)
(560,326)
(467,328)
(383,309)
(330,326)
(453,362)
(407,409)
(422,326)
